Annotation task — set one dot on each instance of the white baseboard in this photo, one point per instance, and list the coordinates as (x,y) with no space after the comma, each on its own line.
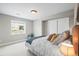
(10,43)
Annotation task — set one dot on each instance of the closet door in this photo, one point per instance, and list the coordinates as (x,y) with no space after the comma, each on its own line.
(52,26)
(63,25)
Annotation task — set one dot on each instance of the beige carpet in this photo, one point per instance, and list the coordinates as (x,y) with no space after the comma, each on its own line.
(18,49)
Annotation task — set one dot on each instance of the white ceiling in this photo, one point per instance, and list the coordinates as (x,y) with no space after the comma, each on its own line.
(22,10)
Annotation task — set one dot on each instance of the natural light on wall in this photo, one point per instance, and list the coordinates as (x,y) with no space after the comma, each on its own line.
(18,27)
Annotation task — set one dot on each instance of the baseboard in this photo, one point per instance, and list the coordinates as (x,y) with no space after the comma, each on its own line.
(10,43)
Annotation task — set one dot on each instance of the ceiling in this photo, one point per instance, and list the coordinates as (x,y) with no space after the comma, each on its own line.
(23,10)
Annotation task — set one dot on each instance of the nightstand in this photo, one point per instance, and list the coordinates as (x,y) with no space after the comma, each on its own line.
(67,49)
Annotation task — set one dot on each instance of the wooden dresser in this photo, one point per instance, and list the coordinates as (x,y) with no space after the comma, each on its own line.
(75,39)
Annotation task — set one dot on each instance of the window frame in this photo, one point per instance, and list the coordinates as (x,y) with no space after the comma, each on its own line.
(16,25)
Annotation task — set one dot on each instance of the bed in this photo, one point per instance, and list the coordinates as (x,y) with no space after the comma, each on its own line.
(42,47)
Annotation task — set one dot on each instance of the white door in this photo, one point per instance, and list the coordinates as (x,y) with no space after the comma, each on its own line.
(63,25)
(52,26)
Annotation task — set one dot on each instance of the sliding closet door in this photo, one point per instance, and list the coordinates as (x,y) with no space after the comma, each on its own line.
(52,26)
(63,25)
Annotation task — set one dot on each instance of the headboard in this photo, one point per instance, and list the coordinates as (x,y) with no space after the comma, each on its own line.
(75,39)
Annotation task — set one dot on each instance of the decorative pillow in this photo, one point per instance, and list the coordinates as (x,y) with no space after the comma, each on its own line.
(33,38)
(53,37)
(66,34)
(58,40)
(62,37)
(50,36)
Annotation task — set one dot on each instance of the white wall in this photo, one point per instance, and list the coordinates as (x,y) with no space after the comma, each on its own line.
(37,28)
(5,29)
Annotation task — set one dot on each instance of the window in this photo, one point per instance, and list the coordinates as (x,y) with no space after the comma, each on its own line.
(18,27)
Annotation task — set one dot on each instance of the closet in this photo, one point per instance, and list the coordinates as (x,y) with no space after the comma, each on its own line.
(63,25)
(52,26)
(58,25)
